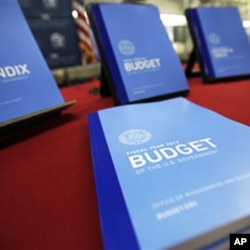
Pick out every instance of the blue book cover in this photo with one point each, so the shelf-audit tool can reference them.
(169, 172)
(26, 83)
(221, 41)
(57, 40)
(140, 58)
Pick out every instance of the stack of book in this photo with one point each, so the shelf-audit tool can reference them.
(220, 41)
(27, 87)
(170, 174)
(138, 59)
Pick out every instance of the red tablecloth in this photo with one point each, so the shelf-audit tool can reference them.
(47, 190)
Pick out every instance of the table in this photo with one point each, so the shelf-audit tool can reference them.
(47, 189)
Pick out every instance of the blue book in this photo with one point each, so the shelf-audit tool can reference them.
(221, 42)
(169, 174)
(57, 40)
(27, 87)
(137, 56)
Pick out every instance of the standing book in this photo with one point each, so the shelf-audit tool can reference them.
(169, 174)
(138, 59)
(27, 87)
(220, 41)
(53, 27)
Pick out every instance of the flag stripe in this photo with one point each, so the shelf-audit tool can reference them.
(84, 34)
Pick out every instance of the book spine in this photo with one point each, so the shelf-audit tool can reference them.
(116, 224)
(200, 43)
(108, 58)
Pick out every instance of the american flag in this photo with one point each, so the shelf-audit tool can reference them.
(85, 37)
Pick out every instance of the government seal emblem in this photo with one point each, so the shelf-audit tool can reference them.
(135, 137)
(126, 47)
(214, 38)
